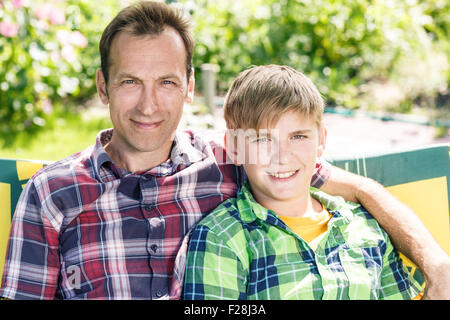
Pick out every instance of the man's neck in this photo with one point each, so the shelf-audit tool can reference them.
(135, 160)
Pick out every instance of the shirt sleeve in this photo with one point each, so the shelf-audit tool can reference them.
(397, 282)
(321, 173)
(213, 269)
(32, 256)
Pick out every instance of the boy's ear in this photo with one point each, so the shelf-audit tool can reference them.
(231, 146)
(322, 141)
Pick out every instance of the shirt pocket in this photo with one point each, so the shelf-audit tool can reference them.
(362, 267)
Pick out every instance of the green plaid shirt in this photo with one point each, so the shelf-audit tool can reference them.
(245, 251)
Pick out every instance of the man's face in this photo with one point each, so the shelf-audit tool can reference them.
(285, 159)
(146, 91)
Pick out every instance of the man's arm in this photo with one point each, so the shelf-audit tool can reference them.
(404, 227)
(32, 259)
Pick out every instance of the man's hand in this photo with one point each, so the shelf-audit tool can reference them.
(438, 282)
(405, 229)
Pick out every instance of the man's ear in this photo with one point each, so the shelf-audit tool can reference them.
(322, 140)
(190, 89)
(101, 87)
(231, 147)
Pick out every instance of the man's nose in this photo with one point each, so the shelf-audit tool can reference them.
(148, 102)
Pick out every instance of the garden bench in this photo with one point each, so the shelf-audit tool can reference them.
(420, 178)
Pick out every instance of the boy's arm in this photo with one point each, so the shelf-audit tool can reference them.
(405, 229)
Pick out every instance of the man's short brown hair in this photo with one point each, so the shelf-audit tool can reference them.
(260, 95)
(147, 18)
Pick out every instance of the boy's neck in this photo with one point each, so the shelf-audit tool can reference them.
(306, 207)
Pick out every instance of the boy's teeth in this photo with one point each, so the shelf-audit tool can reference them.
(282, 175)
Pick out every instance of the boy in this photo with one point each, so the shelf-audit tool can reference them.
(281, 239)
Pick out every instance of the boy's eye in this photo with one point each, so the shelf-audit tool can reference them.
(261, 140)
(299, 137)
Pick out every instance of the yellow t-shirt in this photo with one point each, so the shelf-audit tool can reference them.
(312, 229)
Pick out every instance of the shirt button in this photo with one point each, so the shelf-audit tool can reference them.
(148, 207)
(159, 293)
(154, 247)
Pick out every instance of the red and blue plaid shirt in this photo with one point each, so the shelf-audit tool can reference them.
(86, 229)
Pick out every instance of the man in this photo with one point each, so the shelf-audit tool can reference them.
(107, 222)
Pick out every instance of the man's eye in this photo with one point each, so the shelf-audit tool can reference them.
(128, 81)
(299, 137)
(167, 82)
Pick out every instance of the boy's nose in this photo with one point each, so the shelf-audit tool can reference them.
(282, 154)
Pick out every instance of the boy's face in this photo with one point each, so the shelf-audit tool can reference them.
(283, 161)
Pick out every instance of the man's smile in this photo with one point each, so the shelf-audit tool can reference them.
(146, 125)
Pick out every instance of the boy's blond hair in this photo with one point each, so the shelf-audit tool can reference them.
(261, 94)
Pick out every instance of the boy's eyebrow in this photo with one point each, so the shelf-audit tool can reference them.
(302, 131)
(262, 133)
(268, 133)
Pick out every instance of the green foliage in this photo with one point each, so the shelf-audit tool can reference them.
(63, 135)
(363, 53)
(48, 58)
(439, 26)
(340, 44)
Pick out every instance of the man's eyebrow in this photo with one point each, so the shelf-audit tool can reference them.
(123, 74)
(169, 76)
(126, 75)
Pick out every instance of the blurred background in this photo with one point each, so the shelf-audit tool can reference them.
(382, 66)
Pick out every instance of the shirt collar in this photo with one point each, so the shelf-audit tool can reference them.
(250, 210)
(185, 151)
(99, 157)
(341, 210)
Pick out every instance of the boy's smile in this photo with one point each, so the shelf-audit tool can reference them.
(283, 175)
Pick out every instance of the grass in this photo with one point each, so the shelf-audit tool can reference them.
(61, 138)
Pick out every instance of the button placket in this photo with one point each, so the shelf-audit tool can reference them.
(156, 233)
(156, 230)
(149, 195)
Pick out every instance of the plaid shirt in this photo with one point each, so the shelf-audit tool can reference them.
(86, 229)
(244, 251)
